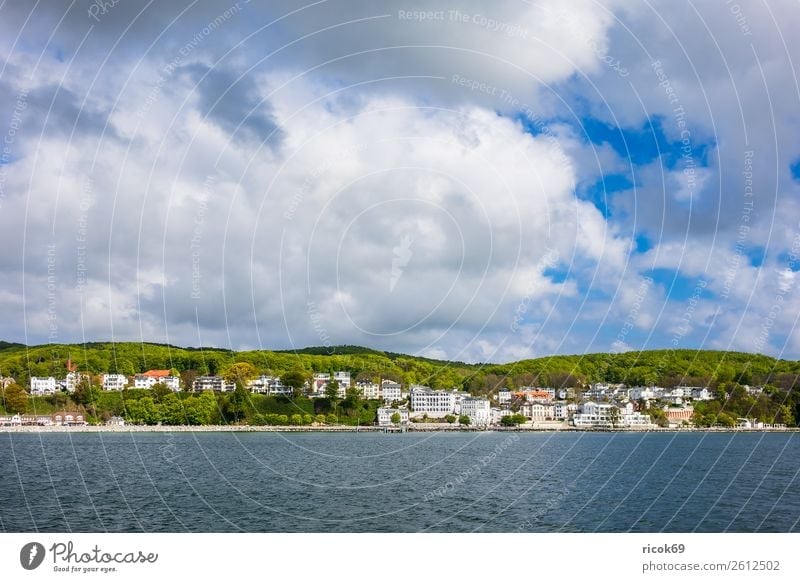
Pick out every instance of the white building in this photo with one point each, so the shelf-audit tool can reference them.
(477, 409)
(149, 379)
(343, 378)
(594, 414)
(41, 386)
(499, 413)
(269, 385)
(114, 382)
(504, 396)
(434, 403)
(369, 390)
(537, 411)
(385, 415)
(701, 394)
(391, 392)
(563, 411)
(215, 383)
(73, 379)
(642, 393)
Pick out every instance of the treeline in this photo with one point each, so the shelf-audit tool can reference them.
(161, 406)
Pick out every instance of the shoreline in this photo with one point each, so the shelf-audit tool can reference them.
(369, 429)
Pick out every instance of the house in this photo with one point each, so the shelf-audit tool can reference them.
(679, 415)
(68, 419)
(504, 396)
(150, 378)
(115, 421)
(391, 392)
(477, 409)
(43, 386)
(25, 420)
(535, 394)
(343, 378)
(269, 385)
(114, 382)
(385, 415)
(701, 393)
(642, 393)
(321, 380)
(215, 383)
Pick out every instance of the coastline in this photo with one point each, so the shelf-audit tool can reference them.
(370, 429)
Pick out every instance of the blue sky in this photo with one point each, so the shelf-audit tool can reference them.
(526, 181)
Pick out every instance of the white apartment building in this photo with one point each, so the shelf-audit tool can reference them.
(593, 414)
(391, 392)
(477, 409)
(269, 385)
(434, 403)
(642, 393)
(562, 410)
(215, 383)
(41, 386)
(701, 394)
(369, 390)
(385, 415)
(504, 396)
(146, 381)
(114, 382)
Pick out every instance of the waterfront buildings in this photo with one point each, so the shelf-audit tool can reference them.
(603, 415)
(385, 414)
(478, 411)
(215, 383)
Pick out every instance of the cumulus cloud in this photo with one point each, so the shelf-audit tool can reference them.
(421, 178)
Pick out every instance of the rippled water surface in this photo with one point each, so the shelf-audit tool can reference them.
(304, 482)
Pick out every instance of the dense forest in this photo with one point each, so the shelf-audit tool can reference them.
(724, 372)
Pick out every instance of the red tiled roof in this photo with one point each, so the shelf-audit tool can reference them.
(157, 373)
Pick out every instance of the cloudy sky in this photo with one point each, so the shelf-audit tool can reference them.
(466, 180)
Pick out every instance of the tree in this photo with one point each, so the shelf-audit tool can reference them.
(296, 380)
(15, 399)
(85, 393)
(332, 390)
(613, 416)
(395, 418)
(240, 374)
(450, 418)
(187, 379)
(160, 391)
(464, 420)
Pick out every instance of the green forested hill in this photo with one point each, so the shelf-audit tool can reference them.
(662, 367)
(723, 372)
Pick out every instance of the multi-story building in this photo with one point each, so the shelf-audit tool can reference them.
(343, 378)
(72, 380)
(153, 377)
(563, 411)
(434, 403)
(504, 396)
(385, 415)
(499, 413)
(391, 392)
(701, 393)
(604, 415)
(477, 409)
(537, 411)
(41, 386)
(215, 383)
(369, 390)
(269, 385)
(114, 382)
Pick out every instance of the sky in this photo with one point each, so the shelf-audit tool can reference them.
(474, 181)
